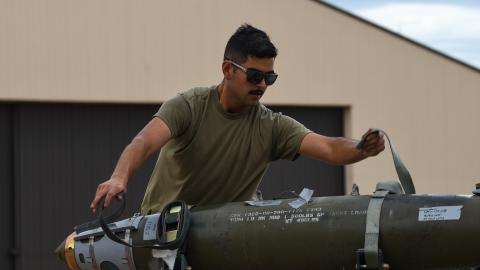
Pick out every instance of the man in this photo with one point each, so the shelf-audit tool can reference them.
(216, 143)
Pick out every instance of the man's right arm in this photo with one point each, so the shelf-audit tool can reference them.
(151, 138)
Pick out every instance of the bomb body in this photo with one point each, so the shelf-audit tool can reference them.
(416, 232)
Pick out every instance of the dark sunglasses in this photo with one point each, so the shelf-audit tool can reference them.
(255, 76)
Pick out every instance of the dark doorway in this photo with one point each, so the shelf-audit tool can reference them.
(6, 188)
(326, 180)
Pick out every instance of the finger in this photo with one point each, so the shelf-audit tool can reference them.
(373, 136)
(370, 136)
(374, 147)
(98, 196)
(381, 148)
(366, 133)
(370, 151)
(380, 144)
(108, 198)
(378, 150)
(369, 145)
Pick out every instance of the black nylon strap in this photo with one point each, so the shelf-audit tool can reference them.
(112, 218)
(402, 172)
(103, 221)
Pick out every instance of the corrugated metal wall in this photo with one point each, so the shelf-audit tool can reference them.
(55, 155)
(58, 153)
(6, 187)
(64, 152)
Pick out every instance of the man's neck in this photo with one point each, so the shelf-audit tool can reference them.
(227, 102)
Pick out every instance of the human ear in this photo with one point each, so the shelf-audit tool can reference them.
(227, 70)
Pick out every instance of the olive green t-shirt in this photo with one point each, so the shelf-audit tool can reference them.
(214, 156)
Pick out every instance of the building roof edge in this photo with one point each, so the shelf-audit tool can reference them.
(412, 41)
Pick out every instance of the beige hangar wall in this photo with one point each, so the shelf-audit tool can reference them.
(146, 51)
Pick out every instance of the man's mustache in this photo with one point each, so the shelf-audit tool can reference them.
(256, 92)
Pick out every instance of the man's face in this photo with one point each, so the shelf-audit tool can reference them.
(244, 92)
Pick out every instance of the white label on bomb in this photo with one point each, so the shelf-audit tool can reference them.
(150, 229)
(440, 213)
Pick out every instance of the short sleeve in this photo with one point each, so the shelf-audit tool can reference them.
(176, 114)
(288, 135)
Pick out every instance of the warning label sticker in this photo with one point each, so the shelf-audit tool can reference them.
(150, 229)
(440, 213)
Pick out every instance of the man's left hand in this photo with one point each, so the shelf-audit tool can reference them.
(372, 143)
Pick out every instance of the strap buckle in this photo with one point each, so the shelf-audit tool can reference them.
(173, 225)
(362, 262)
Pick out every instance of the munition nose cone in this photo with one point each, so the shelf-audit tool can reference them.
(66, 252)
(60, 251)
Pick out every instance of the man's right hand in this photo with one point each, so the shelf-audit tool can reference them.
(108, 189)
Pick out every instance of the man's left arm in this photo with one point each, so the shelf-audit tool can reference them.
(339, 150)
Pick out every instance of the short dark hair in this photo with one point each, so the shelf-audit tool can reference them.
(249, 41)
